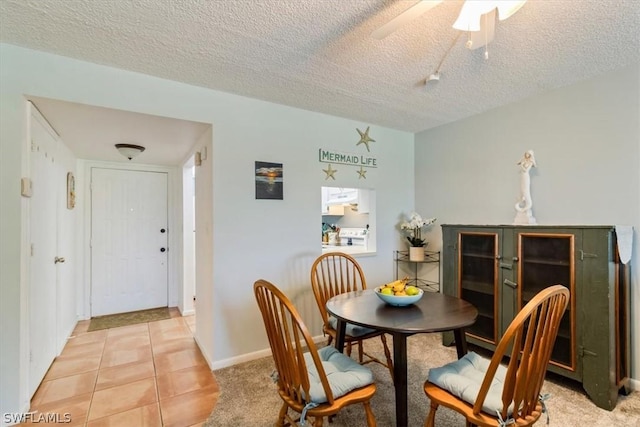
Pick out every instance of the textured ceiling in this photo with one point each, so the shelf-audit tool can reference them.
(318, 54)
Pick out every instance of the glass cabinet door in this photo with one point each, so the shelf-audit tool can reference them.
(546, 260)
(477, 280)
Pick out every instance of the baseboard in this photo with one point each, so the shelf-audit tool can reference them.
(206, 357)
(634, 385)
(225, 363)
(188, 312)
(5, 422)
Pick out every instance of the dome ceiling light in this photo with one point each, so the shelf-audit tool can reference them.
(129, 150)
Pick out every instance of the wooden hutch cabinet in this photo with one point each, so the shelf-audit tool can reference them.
(500, 268)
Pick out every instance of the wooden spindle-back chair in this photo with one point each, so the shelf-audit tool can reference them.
(514, 397)
(296, 355)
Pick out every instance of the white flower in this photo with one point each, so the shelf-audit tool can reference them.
(414, 228)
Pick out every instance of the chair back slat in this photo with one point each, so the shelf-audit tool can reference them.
(289, 339)
(332, 274)
(528, 341)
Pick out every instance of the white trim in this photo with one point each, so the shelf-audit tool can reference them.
(204, 354)
(225, 363)
(174, 218)
(634, 384)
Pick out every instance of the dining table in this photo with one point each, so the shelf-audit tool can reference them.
(434, 312)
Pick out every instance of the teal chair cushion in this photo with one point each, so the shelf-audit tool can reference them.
(463, 378)
(351, 330)
(343, 374)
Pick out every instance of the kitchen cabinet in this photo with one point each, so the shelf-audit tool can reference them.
(500, 268)
(336, 199)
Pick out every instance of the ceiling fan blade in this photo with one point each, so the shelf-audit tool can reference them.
(478, 39)
(408, 15)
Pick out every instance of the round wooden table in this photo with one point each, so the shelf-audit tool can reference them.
(434, 312)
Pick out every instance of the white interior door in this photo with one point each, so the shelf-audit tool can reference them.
(43, 207)
(129, 252)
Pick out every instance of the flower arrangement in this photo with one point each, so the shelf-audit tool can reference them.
(414, 227)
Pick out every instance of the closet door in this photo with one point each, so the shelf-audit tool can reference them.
(43, 226)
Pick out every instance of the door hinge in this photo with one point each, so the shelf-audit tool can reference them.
(30, 356)
(32, 250)
(583, 352)
(584, 255)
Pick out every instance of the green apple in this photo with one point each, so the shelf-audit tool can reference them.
(412, 290)
(386, 291)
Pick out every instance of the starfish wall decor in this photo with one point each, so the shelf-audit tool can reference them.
(364, 138)
(330, 172)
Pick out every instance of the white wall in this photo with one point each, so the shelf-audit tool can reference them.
(586, 140)
(252, 239)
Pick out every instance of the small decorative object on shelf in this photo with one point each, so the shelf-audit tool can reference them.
(413, 228)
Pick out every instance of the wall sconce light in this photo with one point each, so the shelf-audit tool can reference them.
(129, 150)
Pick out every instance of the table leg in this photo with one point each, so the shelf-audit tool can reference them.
(400, 378)
(461, 342)
(341, 331)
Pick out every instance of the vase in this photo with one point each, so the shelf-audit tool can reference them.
(416, 253)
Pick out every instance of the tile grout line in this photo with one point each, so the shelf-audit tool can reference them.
(155, 375)
(95, 385)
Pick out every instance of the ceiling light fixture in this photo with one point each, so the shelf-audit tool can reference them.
(469, 18)
(129, 150)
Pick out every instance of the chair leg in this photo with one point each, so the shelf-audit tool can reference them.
(349, 349)
(387, 354)
(317, 422)
(371, 419)
(431, 417)
(329, 341)
(360, 352)
(281, 415)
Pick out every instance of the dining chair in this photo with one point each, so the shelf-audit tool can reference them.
(488, 393)
(335, 273)
(313, 382)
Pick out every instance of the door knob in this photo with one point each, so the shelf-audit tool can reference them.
(162, 230)
(162, 249)
(58, 259)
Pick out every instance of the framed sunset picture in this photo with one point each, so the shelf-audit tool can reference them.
(269, 182)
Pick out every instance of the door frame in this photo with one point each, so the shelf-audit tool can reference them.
(174, 223)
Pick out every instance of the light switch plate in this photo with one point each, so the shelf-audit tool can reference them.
(25, 187)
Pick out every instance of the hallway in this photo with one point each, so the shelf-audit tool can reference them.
(149, 374)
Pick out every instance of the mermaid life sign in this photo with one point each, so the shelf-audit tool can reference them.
(351, 159)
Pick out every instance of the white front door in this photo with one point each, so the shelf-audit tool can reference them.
(43, 226)
(129, 252)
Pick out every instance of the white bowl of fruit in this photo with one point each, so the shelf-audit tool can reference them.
(398, 293)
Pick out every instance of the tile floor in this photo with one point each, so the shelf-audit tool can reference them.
(150, 374)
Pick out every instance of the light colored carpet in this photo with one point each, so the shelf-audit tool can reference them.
(130, 318)
(248, 396)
